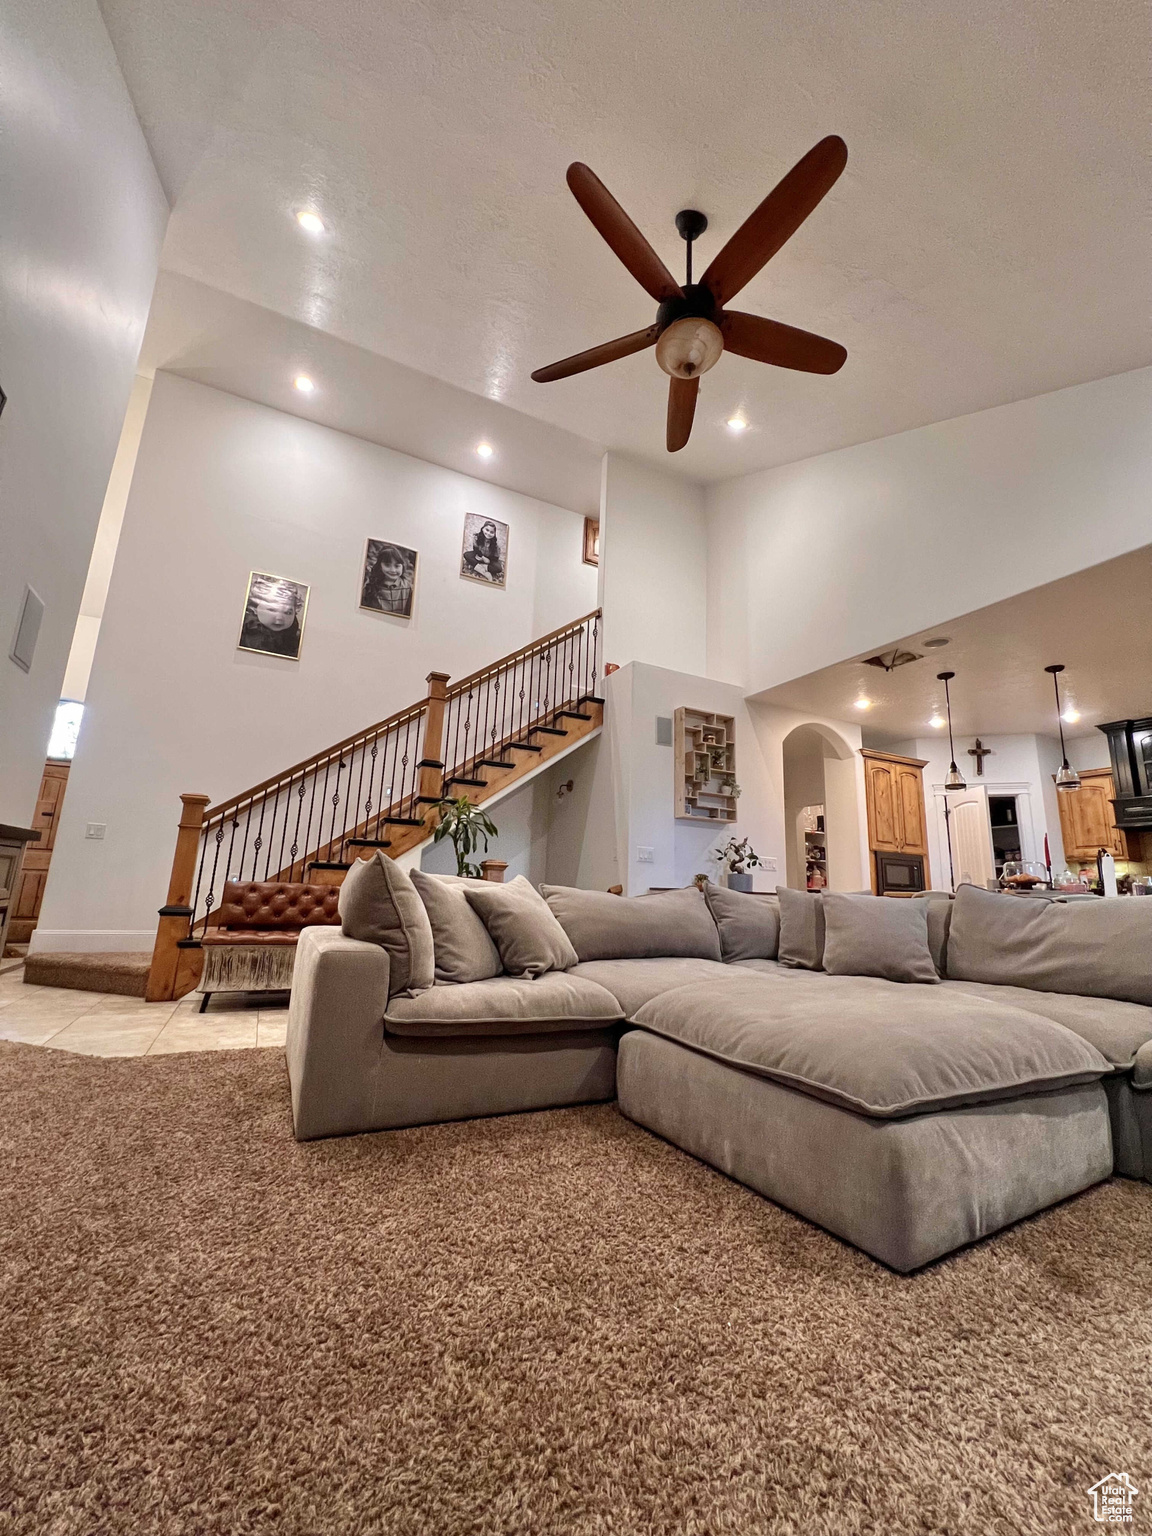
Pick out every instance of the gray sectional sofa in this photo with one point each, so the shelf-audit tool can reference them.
(911, 1075)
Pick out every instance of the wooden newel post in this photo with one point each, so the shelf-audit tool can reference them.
(431, 765)
(174, 970)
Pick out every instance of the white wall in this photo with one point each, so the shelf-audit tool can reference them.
(653, 564)
(1020, 765)
(817, 561)
(1089, 751)
(624, 797)
(223, 486)
(80, 232)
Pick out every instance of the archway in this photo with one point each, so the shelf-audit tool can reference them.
(821, 810)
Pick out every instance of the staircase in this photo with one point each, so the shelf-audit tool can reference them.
(379, 788)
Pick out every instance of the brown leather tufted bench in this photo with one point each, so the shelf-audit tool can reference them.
(251, 946)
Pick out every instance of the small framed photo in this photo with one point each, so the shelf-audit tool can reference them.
(485, 554)
(274, 611)
(591, 541)
(389, 580)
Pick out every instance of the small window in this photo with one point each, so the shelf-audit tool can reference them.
(65, 730)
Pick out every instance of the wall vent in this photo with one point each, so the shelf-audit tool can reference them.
(27, 630)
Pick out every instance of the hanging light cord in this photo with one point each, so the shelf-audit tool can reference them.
(1059, 716)
(948, 706)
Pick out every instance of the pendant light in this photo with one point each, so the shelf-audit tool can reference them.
(1067, 777)
(954, 779)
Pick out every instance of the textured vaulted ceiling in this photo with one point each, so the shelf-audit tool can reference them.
(988, 241)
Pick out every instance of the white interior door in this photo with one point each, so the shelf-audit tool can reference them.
(970, 829)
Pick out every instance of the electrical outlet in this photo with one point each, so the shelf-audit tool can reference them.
(645, 855)
(96, 830)
(770, 865)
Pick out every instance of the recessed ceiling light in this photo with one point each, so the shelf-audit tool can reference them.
(937, 722)
(936, 642)
(310, 221)
(736, 424)
(485, 450)
(862, 704)
(1071, 715)
(303, 383)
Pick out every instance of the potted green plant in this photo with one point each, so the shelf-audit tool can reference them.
(737, 859)
(469, 829)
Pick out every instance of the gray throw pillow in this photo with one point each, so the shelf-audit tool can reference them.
(464, 950)
(1100, 948)
(663, 924)
(748, 922)
(939, 906)
(877, 936)
(529, 938)
(378, 904)
(801, 929)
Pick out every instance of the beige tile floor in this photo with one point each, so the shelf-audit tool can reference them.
(96, 1024)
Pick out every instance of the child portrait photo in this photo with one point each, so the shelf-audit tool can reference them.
(485, 556)
(274, 613)
(389, 580)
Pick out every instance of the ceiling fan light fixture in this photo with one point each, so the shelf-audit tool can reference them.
(689, 347)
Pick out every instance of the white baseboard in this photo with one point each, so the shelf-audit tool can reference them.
(96, 941)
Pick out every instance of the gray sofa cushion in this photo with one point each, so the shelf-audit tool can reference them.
(504, 1005)
(529, 938)
(1142, 1068)
(876, 1047)
(1117, 1030)
(665, 924)
(1096, 948)
(801, 929)
(634, 982)
(748, 922)
(463, 947)
(877, 936)
(378, 904)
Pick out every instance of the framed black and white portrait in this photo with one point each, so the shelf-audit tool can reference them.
(274, 611)
(485, 554)
(388, 583)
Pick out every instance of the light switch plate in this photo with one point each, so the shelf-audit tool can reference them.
(645, 855)
(770, 865)
(96, 830)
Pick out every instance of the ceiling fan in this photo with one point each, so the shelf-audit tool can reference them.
(693, 327)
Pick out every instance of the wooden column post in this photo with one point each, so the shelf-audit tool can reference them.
(431, 765)
(172, 974)
(493, 869)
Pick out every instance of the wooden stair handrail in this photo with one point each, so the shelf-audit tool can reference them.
(400, 717)
(522, 654)
(315, 760)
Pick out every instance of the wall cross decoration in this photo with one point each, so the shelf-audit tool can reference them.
(980, 752)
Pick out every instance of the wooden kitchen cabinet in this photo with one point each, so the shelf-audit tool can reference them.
(894, 794)
(37, 856)
(1087, 819)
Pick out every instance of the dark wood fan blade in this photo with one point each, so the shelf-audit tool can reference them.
(778, 217)
(621, 234)
(606, 352)
(681, 409)
(768, 341)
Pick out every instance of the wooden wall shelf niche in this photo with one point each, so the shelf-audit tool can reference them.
(706, 755)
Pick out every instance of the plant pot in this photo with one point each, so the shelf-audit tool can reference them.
(739, 882)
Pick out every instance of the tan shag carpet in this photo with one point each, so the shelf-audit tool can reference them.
(124, 973)
(551, 1324)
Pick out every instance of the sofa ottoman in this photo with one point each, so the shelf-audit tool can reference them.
(905, 1119)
